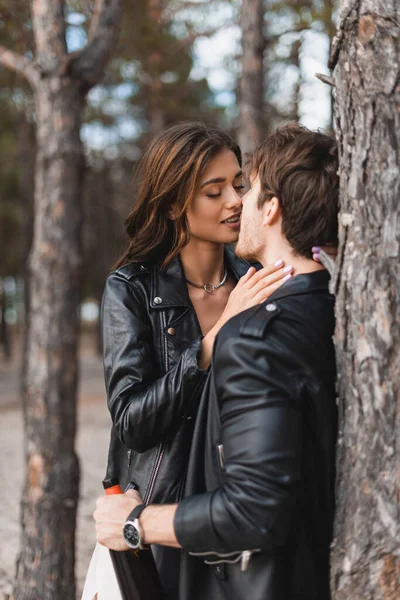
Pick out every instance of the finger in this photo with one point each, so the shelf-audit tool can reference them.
(246, 276)
(268, 291)
(134, 494)
(327, 262)
(100, 502)
(269, 280)
(330, 249)
(316, 257)
(264, 272)
(101, 517)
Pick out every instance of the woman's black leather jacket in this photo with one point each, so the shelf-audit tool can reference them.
(151, 342)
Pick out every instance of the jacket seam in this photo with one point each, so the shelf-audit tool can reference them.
(138, 290)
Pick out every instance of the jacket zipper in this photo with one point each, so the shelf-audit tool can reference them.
(221, 457)
(152, 482)
(244, 557)
(161, 452)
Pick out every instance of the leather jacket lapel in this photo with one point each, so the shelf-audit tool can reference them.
(168, 286)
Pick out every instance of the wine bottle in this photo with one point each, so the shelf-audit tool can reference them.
(135, 570)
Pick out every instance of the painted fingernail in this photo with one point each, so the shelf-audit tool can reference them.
(287, 277)
(288, 269)
(279, 263)
(315, 249)
(317, 257)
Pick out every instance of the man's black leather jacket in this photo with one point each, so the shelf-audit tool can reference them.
(151, 345)
(260, 497)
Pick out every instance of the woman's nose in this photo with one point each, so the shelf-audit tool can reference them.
(234, 199)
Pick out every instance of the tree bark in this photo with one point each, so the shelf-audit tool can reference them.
(251, 84)
(5, 342)
(45, 568)
(366, 550)
(295, 61)
(329, 25)
(50, 495)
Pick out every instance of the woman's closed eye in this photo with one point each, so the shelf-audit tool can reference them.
(237, 188)
(214, 195)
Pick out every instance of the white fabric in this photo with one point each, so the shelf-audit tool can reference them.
(100, 578)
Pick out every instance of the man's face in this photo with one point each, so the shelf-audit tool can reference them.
(251, 241)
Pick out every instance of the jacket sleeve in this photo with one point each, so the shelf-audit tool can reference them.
(261, 437)
(144, 406)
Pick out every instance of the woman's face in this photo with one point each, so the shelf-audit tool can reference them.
(214, 214)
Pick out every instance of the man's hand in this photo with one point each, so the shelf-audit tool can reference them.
(110, 516)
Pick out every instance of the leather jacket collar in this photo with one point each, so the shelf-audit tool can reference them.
(317, 281)
(169, 283)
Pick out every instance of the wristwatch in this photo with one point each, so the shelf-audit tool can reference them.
(133, 534)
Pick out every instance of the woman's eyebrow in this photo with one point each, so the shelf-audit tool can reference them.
(219, 179)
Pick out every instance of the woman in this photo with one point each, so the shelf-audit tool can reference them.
(164, 303)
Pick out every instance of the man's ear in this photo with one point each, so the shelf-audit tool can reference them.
(271, 211)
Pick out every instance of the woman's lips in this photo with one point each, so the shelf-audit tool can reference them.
(232, 222)
(235, 225)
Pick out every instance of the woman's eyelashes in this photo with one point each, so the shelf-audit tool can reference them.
(237, 188)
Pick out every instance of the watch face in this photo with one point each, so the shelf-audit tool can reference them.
(131, 535)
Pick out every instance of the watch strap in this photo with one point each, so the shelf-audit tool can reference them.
(137, 511)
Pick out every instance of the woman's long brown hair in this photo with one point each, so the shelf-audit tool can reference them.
(169, 174)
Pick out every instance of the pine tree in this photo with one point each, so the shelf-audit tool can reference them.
(60, 82)
(366, 54)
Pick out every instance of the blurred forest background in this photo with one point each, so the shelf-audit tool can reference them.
(84, 84)
(174, 60)
(114, 72)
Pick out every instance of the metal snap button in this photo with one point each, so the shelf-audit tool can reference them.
(271, 307)
(157, 300)
(171, 331)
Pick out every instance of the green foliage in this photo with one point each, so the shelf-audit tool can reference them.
(154, 64)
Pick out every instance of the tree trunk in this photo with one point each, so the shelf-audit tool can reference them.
(156, 86)
(51, 490)
(329, 24)
(5, 342)
(366, 551)
(251, 84)
(26, 185)
(60, 81)
(295, 61)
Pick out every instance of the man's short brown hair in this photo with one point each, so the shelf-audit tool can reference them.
(300, 167)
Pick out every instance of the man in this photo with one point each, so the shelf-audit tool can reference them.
(256, 522)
